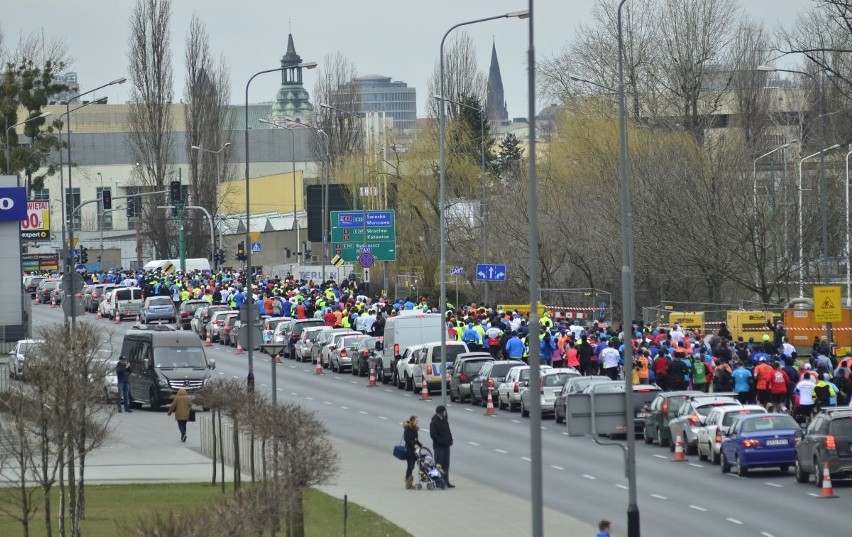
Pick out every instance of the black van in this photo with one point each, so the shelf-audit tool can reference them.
(162, 361)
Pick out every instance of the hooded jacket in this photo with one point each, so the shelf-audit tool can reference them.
(181, 406)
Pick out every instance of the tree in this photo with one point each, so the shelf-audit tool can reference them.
(462, 77)
(335, 87)
(208, 125)
(150, 116)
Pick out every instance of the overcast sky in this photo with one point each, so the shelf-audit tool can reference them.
(396, 38)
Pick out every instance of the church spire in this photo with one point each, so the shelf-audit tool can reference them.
(292, 100)
(496, 103)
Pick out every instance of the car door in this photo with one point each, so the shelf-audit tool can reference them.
(708, 429)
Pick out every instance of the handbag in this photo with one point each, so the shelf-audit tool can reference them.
(399, 451)
(191, 415)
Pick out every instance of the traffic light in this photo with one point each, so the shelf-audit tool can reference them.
(241, 251)
(219, 256)
(175, 193)
(106, 198)
(84, 255)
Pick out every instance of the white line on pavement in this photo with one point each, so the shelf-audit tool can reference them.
(659, 497)
(387, 390)
(543, 428)
(735, 521)
(407, 395)
(566, 434)
(526, 459)
(361, 412)
(694, 465)
(292, 367)
(556, 467)
(735, 476)
(344, 408)
(474, 444)
(309, 398)
(776, 485)
(470, 410)
(235, 377)
(501, 451)
(766, 534)
(280, 389)
(660, 456)
(587, 476)
(516, 421)
(221, 372)
(623, 487)
(814, 494)
(326, 402)
(293, 393)
(336, 378)
(382, 418)
(354, 381)
(697, 508)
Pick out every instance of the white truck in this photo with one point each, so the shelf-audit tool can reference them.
(410, 327)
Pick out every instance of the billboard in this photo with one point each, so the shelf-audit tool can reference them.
(36, 226)
(13, 209)
(40, 262)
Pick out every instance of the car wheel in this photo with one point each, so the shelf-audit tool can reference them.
(524, 412)
(817, 473)
(701, 455)
(742, 471)
(801, 475)
(409, 383)
(714, 456)
(660, 440)
(723, 464)
(647, 437)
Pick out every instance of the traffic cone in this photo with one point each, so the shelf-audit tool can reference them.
(99, 314)
(424, 392)
(38, 298)
(827, 489)
(679, 455)
(239, 348)
(372, 382)
(278, 359)
(117, 316)
(52, 301)
(489, 403)
(207, 342)
(318, 369)
(138, 319)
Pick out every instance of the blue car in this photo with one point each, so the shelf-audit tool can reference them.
(759, 441)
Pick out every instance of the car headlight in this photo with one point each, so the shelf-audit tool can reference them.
(163, 383)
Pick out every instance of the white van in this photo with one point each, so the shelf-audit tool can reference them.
(410, 327)
(123, 302)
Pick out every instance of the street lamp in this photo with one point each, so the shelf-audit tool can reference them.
(218, 180)
(121, 80)
(10, 127)
(801, 231)
(442, 190)
(754, 170)
(484, 219)
(292, 132)
(249, 276)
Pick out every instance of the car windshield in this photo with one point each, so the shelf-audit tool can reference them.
(731, 417)
(192, 306)
(769, 423)
(313, 335)
(27, 347)
(472, 366)
(452, 352)
(500, 370)
(351, 341)
(842, 426)
(552, 381)
(160, 301)
(703, 410)
(179, 357)
(606, 388)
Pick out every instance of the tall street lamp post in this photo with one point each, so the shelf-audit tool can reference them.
(217, 154)
(68, 267)
(484, 207)
(292, 132)
(801, 226)
(754, 167)
(250, 311)
(442, 189)
(6, 136)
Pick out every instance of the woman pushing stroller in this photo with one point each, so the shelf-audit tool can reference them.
(410, 437)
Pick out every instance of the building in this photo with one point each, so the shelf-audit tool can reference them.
(292, 100)
(495, 100)
(73, 88)
(377, 94)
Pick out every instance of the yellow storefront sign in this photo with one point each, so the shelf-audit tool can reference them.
(827, 304)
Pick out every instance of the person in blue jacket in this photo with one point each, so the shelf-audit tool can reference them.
(604, 527)
(546, 346)
(742, 383)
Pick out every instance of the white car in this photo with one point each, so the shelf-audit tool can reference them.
(509, 393)
(302, 348)
(551, 384)
(719, 420)
(217, 321)
(333, 342)
(102, 305)
(17, 357)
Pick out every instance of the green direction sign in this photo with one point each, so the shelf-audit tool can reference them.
(347, 234)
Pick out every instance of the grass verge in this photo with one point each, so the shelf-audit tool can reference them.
(112, 507)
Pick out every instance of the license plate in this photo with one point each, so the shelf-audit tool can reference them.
(777, 442)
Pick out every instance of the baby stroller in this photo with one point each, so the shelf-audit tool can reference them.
(430, 473)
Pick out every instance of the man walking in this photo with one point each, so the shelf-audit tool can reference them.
(442, 439)
(122, 373)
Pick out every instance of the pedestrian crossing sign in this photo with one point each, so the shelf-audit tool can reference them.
(827, 304)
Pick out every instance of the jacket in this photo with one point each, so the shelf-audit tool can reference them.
(410, 438)
(122, 371)
(439, 431)
(181, 406)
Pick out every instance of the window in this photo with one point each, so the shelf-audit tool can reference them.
(40, 195)
(104, 218)
(72, 200)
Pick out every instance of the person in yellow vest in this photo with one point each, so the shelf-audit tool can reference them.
(641, 364)
(344, 319)
(184, 295)
(546, 321)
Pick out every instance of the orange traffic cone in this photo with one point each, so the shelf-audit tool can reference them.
(207, 342)
(318, 369)
(424, 392)
(489, 403)
(117, 316)
(827, 489)
(278, 359)
(99, 314)
(38, 298)
(372, 382)
(138, 319)
(239, 348)
(52, 301)
(679, 455)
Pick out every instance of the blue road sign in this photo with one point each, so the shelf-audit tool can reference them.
(255, 247)
(491, 273)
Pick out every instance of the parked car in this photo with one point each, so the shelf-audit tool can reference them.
(551, 384)
(102, 305)
(466, 366)
(18, 357)
(31, 284)
(322, 340)
(333, 343)
(86, 297)
(718, 422)
(293, 329)
(509, 394)
(340, 358)
(572, 385)
(661, 411)
(367, 355)
(57, 294)
(187, 310)
(227, 330)
(106, 361)
(269, 326)
(97, 295)
(124, 301)
(45, 288)
(826, 441)
(158, 308)
(217, 320)
(692, 415)
(302, 347)
(496, 371)
(759, 441)
(198, 323)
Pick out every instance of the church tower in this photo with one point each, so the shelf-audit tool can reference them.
(496, 103)
(292, 100)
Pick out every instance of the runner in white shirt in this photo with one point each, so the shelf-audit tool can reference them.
(805, 389)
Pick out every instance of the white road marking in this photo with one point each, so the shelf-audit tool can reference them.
(382, 418)
(543, 428)
(814, 494)
(309, 398)
(587, 476)
(735, 476)
(735, 521)
(659, 497)
(470, 410)
(694, 465)
(221, 372)
(344, 408)
(501, 451)
(280, 389)
(407, 395)
(361, 412)
(263, 385)
(660, 456)
(556, 467)
(336, 378)
(292, 367)
(326, 402)
(293, 393)
(516, 421)
(354, 381)
(697, 508)
(776, 485)
(566, 434)
(387, 390)
(766, 534)
(526, 459)
(474, 444)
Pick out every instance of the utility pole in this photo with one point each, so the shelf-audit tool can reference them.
(181, 224)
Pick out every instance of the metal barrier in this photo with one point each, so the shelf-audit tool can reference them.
(205, 424)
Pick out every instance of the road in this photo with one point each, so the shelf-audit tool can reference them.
(581, 479)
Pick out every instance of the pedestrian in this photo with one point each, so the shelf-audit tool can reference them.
(122, 374)
(181, 407)
(604, 527)
(410, 436)
(442, 440)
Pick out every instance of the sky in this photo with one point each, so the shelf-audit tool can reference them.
(396, 38)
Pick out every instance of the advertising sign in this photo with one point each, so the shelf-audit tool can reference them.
(13, 204)
(13, 209)
(40, 262)
(36, 226)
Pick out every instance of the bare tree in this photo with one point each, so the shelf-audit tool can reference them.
(208, 125)
(335, 87)
(150, 117)
(748, 51)
(462, 77)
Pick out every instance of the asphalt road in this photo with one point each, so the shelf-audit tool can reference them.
(582, 479)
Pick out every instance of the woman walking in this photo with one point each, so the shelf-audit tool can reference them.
(411, 440)
(181, 407)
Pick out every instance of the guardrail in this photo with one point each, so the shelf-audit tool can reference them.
(205, 425)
